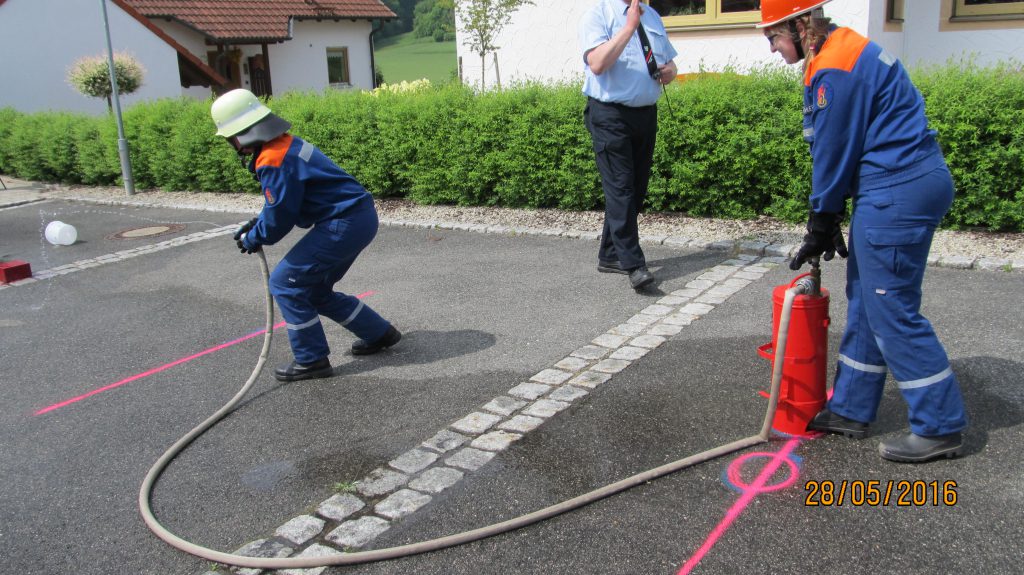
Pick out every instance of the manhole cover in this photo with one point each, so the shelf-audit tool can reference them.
(146, 232)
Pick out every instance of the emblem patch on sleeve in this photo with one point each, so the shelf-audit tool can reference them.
(269, 195)
(824, 95)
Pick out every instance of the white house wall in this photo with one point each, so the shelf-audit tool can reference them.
(40, 40)
(306, 55)
(540, 43)
(192, 41)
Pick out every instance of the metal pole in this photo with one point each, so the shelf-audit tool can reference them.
(122, 143)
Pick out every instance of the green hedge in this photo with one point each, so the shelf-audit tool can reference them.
(728, 146)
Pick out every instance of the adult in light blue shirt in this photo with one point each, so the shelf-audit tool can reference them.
(622, 88)
(624, 78)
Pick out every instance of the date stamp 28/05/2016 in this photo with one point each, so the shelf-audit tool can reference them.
(879, 493)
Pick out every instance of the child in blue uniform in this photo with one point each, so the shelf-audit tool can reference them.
(302, 187)
(869, 141)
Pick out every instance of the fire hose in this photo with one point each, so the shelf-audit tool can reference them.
(806, 285)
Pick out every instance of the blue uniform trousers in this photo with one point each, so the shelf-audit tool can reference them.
(623, 140)
(891, 233)
(303, 285)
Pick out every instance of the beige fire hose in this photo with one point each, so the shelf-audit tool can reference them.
(145, 492)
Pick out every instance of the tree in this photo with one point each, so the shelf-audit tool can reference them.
(90, 75)
(482, 21)
(434, 19)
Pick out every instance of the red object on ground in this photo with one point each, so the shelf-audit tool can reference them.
(804, 365)
(13, 271)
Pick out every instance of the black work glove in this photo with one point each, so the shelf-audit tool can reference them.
(824, 238)
(240, 235)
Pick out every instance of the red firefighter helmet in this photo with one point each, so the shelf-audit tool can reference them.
(776, 11)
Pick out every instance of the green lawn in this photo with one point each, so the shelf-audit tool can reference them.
(403, 57)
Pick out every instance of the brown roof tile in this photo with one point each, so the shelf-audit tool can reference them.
(256, 19)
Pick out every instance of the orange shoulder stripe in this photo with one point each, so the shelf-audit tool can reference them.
(844, 47)
(272, 155)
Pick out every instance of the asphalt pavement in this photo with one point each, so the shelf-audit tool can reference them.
(108, 364)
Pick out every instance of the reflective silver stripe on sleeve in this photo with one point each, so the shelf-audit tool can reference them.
(313, 321)
(306, 152)
(358, 309)
(808, 132)
(861, 366)
(887, 58)
(924, 382)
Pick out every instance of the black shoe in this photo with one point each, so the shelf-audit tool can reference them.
(835, 423)
(913, 448)
(296, 371)
(611, 268)
(390, 338)
(640, 277)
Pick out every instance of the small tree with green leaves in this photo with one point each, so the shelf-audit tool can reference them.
(482, 21)
(90, 75)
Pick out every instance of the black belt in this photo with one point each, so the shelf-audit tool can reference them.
(621, 106)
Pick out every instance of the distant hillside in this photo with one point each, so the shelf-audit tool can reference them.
(403, 57)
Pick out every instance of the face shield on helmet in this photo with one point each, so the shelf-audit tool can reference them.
(240, 114)
(778, 11)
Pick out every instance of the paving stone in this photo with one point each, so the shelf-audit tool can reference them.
(470, 459)
(648, 341)
(680, 319)
(643, 319)
(591, 352)
(261, 548)
(992, 264)
(677, 241)
(933, 259)
(340, 506)
(696, 308)
(610, 366)
(529, 391)
(609, 340)
(773, 262)
(699, 285)
(590, 379)
(544, 408)
(957, 262)
(664, 329)
(437, 479)
(314, 550)
(300, 529)
(567, 393)
(629, 353)
(672, 300)
(401, 504)
(780, 250)
(381, 481)
(738, 283)
(748, 275)
(653, 240)
(502, 406)
(447, 440)
(753, 247)
(629, 329)
(657, 310)
(551, 376)
(476, 423)
(359, 532)
(757, 269)
(495, 440)
(413, 460)
(710, 299)
(722, 246)
(724, 290)
(521, 423)
(572, 364)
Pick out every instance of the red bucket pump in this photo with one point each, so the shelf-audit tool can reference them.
(802, 391)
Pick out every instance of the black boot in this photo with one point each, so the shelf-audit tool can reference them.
(834, 423)
(296, 371)
(390, 338)
(913, 448)
(640, 277)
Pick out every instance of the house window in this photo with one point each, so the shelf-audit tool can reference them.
(895, 11)
(982, 9)
(685, 13)
(337, 68)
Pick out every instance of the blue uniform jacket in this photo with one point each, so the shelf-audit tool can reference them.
(301, 187)
(864, 121)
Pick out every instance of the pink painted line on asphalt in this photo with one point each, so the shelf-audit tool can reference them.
(757, 486)
(167, 366)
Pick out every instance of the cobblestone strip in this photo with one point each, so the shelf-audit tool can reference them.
(123, 255)
(347, 521)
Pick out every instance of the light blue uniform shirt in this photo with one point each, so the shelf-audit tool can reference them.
(627, 81)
